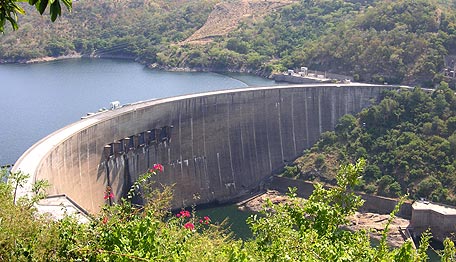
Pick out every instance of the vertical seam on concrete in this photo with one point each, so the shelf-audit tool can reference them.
(307, 118)
(148, 156)
(58, 170)
(279, 111)
(333, 109)
(254, 137)
(360, 105)
(154, 157)
(240, 128)
(219, 170)
(108, 181)
(229, 140)
(136, 161)
(346, 100)
(267, 134)
(71, 162)
(180, 145)
(79, 159)
(319, 111)
(88, 169)
(293, 125)
(195, 170)
(191, 134)
(269, 151)
(203, 108)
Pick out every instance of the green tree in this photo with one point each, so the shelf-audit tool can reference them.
(345, 126)
(237, 45)
(10, 9)
(427, 186)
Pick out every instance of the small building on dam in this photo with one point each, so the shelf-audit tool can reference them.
(218, 145)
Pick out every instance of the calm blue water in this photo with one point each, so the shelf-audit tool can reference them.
(38, 99)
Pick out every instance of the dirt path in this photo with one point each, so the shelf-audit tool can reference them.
(226, 17)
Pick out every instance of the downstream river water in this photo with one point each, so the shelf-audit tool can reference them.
(37, 99)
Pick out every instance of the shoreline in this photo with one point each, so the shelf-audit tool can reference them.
(52, 58)
(76, 55)
(138, 60)
(43, 59)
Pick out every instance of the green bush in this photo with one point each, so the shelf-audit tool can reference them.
(290, 171)
(394, 190)
(427, 186)
(370, 188)
(320, 161)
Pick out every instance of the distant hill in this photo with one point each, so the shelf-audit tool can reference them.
(401, 41)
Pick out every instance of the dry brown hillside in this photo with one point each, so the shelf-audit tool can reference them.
(226, 16)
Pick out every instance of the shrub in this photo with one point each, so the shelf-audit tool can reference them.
(427, 186)
(320, 161)
(290, 171)
(394, 190)
(370, 188)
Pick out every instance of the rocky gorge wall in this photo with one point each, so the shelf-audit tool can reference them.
(217, 145)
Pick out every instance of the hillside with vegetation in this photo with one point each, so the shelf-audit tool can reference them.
(134, 29)
(408, 140)
(375, 41)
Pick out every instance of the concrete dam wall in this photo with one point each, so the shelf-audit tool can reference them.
(218, 145)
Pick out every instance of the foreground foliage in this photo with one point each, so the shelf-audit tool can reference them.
(11, 9)
(300, 230)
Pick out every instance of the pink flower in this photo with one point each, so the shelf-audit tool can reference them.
(189, 225)
(184, 213)
(158, 167)
(201, 221)
(109, 195)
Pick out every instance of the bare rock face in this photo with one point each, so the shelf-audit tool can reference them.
(227, 15)
(256, 204)
(373, 223)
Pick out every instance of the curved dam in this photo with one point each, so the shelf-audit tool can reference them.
(217, 145)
